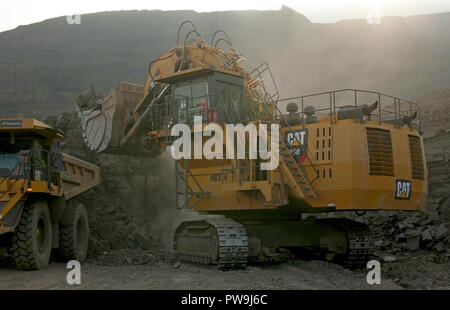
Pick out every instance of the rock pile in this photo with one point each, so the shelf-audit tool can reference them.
(430, 228)
(404, 232)
(121, 208)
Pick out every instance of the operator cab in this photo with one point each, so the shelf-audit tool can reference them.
(28, 148)
(215, 95)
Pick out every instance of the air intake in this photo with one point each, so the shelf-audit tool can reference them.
(415, 149)
(379, 144)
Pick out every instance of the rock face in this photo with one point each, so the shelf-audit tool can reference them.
(435, 108)
(438, 160)
(51, 62)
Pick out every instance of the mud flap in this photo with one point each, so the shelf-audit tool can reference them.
(13, 217)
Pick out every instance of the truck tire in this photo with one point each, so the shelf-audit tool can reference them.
(32, 241)
(74, 234)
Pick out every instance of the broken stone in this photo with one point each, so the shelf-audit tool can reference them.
(441, 232)
(389, 259)
(400, 238)
(426, 221)
(426, 236)
(109, 260)
(110, 209)
(405, 225)
(412, 242)
(141, 240)
(105, 230)
(387, 244)
(412, 233)
(444, 210)
(413, 220)
(440, 247)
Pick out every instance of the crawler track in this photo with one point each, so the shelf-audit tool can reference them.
(220, 241)
(360, 243)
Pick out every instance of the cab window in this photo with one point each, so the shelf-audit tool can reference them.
(192, 100)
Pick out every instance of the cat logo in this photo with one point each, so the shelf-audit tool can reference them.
(403, 190)
(298, 143)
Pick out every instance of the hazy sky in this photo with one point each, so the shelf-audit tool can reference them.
(21, 12)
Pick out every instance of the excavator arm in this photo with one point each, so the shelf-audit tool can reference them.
(117, 123)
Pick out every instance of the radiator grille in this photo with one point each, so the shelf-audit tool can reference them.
(415, 149)
(379, 143)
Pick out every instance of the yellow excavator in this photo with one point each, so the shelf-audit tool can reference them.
(341, 150)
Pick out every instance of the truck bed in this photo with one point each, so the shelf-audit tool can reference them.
(78, 175)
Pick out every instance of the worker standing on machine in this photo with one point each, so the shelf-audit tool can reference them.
(310, 114)
(293, 118)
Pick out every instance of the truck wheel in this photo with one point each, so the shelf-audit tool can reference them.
(32, 241)
(74, 233)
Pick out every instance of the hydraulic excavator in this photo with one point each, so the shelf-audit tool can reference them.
(341, 150)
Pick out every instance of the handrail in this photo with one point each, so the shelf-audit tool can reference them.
(259, 72)
(344, 90)
(19, 164)
(398, 103)
(285, 142)
(28, 165)
(10, 172)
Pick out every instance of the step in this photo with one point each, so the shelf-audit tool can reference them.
(306, 188)
(291, 166)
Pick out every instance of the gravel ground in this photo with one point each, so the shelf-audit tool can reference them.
(420, 270)
(296, 274)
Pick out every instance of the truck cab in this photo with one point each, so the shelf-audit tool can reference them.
(29, 154)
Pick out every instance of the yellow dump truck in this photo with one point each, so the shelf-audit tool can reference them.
(37, 184)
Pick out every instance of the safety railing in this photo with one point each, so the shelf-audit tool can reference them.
(375, 106)
(275, 115)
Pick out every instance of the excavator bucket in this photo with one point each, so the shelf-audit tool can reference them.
(105, 121)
